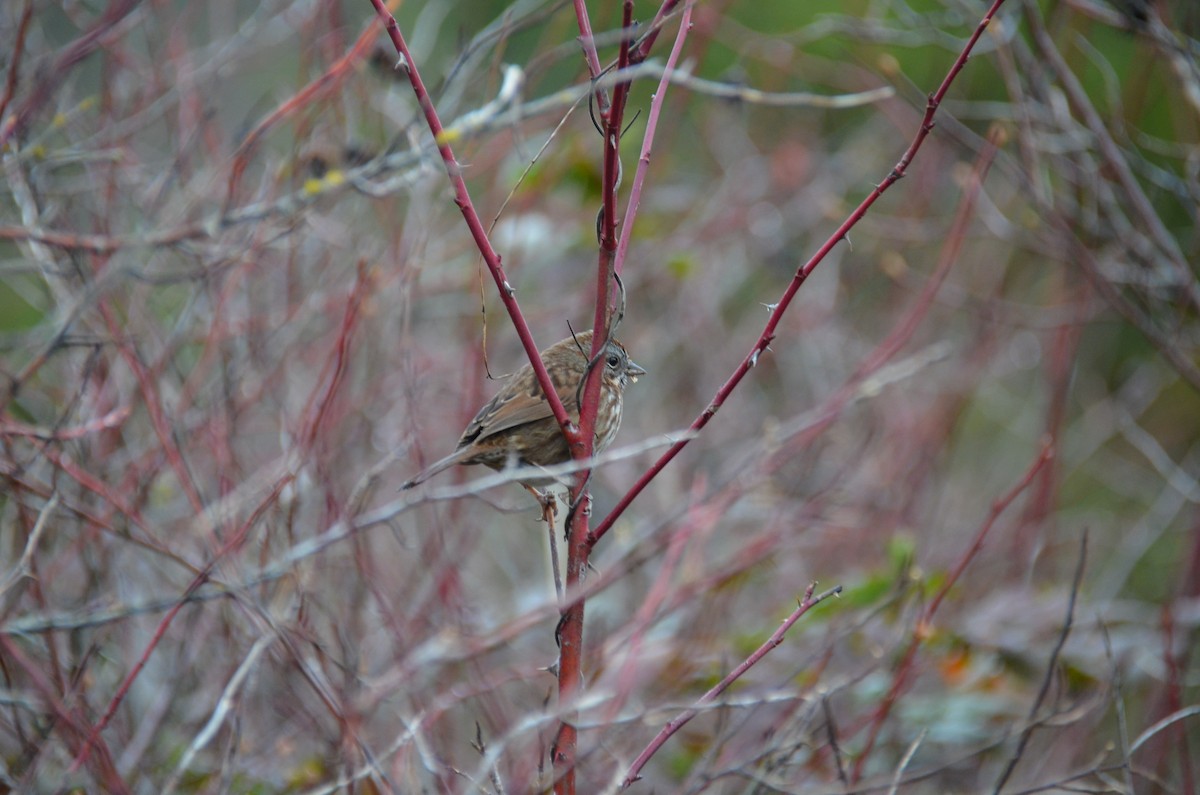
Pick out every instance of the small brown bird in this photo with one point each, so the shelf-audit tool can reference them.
(517, 427)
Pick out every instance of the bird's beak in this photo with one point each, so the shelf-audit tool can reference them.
(633, 370)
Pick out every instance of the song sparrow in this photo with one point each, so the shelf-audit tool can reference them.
(516, 427)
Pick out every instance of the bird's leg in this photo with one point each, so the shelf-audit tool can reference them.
(548, 502)
(549, 512)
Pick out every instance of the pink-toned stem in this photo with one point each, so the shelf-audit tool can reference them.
(948, 255)
(642, 51)
(72, 721)
(113, 419)
(923, 626)
(656, 105)
(801, 275)
(708, 698)
(702, 517)
(578, 549)
(235, 542)
(570, 633)
(332, 375)
(98, 36)
(314, 417)
(588, 42)
(154, 408)
(463, 199)
(18, 52)
(328, 82)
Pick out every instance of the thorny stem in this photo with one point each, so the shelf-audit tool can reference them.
(570, 633)
(807, 603)
(801, 275)
(923, 627)
(462, 198)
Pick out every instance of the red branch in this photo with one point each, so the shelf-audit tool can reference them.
(923, 628)
(18, 50)
(570, 634)
(235, 542)
(768, 333)
(656, 105)
(588, 42)
(335, 368)
(682, 718)
(570, 630)
(463, 199)
(53, 77)
(154, 408)
(319, 88)
(315, 414)
(72, 721)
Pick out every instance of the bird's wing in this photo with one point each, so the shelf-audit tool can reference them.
(506, 411)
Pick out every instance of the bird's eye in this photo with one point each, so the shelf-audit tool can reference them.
(613, 360)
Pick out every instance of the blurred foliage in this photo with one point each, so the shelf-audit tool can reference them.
(16, 313)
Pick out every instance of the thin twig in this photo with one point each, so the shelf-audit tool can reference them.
(1051, 668)
(904, 760)
(807, 603)
(221, 712)
(781, 306)
(921, 629)
(508, 295)
(23, 567)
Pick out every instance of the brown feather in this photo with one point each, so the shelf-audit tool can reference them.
(517, 425)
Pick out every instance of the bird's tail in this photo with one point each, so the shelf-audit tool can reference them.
(454, 458)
